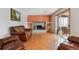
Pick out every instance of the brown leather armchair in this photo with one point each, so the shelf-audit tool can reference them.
(73, 44)
(20, 31)
(23, 33)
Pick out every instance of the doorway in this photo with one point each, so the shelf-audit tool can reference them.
(63, 21)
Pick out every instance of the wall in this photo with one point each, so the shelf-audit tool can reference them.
(54, 24)
(5, 22)
(74, 22)
(39, 18)
(24, 17)
(24, 20)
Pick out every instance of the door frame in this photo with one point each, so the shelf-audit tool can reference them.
(59, 16)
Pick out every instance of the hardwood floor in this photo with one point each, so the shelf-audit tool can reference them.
(41, 41)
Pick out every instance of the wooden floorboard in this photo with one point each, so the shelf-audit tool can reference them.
(41, 41)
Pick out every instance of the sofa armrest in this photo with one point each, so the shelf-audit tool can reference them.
(16, 33)
(12, 43)
(67, 47)
(74, 39)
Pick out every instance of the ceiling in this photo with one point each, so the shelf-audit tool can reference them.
(37, 11)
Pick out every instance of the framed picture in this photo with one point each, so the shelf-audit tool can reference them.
(15, 15)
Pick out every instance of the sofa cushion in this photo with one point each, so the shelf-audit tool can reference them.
(0, 44)
(19, 29)
(9, 46)
(67, 47)
(8, 39)
(74, 39)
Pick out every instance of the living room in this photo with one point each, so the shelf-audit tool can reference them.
(41, 24)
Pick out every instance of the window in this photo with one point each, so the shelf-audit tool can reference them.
(63, 21)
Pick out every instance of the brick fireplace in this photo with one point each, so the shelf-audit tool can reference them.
(39, 23)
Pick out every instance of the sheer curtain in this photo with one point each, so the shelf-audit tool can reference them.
(63, 22)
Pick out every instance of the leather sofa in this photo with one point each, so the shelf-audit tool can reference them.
(72, 44)
(11, 43)
(23, 33)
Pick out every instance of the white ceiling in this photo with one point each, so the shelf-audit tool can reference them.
(37, 11)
